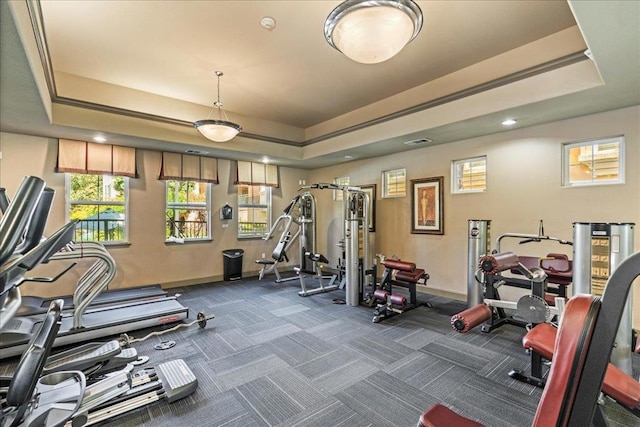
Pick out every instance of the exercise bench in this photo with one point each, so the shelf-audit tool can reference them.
(397, 273)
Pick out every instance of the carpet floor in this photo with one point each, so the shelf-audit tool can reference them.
(273, 358)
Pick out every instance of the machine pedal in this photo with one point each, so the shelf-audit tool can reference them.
(177, 379)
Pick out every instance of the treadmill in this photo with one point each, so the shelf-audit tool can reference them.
(85, 322)
(34, 231)
(38, 305)
(98, 323)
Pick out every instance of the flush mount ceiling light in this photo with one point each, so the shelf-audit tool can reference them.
(220, 130)
(372, 31)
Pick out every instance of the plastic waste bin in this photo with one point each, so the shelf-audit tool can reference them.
(232, 264)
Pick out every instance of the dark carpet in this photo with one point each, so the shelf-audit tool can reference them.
(273, 358)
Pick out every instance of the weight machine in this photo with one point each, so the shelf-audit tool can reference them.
(294, 222)
(354, 264)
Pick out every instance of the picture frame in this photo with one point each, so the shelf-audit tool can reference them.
(427, 205)
(370, 189)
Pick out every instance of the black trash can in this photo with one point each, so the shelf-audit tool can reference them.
(232, 264)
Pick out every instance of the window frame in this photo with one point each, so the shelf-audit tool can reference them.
(566, 162)
(385, 194)
(268, 205)
(187, 205)
(341, 181)
(455, 177)
(125, 204)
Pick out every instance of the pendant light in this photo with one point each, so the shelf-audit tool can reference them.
(220, 130)
(372, 31)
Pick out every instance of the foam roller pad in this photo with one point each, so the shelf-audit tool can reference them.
(381, 295)
(468, 319)
(398, 299)
(493, 264)
(396, 264)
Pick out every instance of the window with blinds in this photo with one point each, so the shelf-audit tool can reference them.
(469, 175)
(394, 183)
(593, 162)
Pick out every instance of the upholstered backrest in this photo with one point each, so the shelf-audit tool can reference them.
(571, 347)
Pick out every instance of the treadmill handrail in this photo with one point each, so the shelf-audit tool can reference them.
(94, 281)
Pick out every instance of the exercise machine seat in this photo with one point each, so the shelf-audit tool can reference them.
(410, 276)
(440, 415)
(558, 398)
(559, 268)
(617, 384)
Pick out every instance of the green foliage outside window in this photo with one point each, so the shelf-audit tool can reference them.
(98, 202)
(187, 210)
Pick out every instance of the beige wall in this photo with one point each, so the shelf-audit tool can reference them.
(523, 187)
(524, 173)
(148, 259)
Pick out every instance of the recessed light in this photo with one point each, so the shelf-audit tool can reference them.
(99, 138)
(348, 157)
(509, 122)
(268, 23)
(265, 160)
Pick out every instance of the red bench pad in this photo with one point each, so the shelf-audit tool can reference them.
(410, 276)
(396, 264)
(440, 415)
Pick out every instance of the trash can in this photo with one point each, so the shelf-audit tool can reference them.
(232, 264)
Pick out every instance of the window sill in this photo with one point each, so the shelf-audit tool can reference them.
(187, 241)
(112, 244)
(250, 237)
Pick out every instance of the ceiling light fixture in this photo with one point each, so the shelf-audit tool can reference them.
(218, 130)
(268, 23)
(99, 138)
(509, 122)
(372, 31)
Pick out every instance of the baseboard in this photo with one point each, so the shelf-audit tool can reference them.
(441, 293)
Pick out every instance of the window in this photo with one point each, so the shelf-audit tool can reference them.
(99, 202)
(188, 210)
(340, 182)
(469, 175)
(593, 162)
(254, 210)
(394, 183)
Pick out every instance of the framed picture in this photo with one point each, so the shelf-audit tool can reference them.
(371, 191)
(427, 214)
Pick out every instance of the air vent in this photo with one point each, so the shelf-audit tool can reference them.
(418, 141)
(196, 152)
